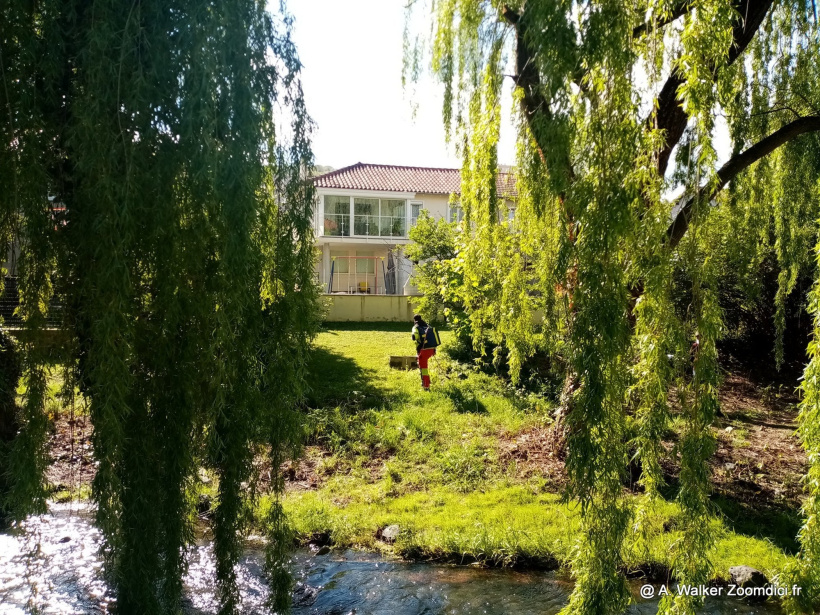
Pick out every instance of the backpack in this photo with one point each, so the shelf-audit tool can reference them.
(431, 338)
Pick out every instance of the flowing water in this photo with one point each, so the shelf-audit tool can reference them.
(53, 567)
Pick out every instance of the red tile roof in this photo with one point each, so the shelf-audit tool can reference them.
(363, 176)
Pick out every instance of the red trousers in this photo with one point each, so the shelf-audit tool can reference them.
(423, 357)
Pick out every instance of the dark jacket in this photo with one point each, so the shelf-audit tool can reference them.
(418, 334)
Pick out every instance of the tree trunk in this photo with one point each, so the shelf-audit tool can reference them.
(558, 433)
(9, 378)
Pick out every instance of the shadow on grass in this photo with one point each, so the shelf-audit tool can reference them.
(337, 380)
(776, 523)
(464, 400)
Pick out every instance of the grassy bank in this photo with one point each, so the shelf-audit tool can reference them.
(466, 471)
(503, 524)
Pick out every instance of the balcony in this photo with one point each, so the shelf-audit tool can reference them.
(370, 217)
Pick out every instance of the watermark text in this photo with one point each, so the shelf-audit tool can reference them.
(736, 591)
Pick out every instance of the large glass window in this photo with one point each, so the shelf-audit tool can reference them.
(393, 217)
(370, 217)
(337, 216)
(510, 213)
(366, 216)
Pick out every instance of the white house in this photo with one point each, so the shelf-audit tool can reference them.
(363, 217)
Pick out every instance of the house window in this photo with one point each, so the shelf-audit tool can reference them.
(370, 217)
(393, 218)
(415, 210)
(456, 213)
(365, 265)
(341, 265)
(366, 216)
(337, 216)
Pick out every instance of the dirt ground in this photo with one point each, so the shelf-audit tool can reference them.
(72, 463)
(534, 453)
(303, 475)
(758, 456)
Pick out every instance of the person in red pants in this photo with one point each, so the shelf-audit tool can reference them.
(426, 341)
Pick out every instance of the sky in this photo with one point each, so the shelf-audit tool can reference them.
(351, 51)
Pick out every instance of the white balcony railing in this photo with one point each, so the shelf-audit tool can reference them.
(337, 225)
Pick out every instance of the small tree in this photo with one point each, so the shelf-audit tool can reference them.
(434, 253)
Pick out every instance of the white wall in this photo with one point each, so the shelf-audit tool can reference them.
(436, 204)
(369, 308)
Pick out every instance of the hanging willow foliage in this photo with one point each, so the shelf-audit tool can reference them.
(616, 111)
(805, 571)
(152, 165)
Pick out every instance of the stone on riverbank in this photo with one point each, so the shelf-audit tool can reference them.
(746, 576)
(389, 534)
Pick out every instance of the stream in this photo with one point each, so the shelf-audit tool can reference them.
(52, 567)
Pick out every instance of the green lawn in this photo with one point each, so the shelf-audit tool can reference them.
(385, 452)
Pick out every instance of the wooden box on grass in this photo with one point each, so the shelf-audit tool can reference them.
(403, 362)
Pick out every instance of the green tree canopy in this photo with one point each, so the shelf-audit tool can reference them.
(152, 165)
(616, 107)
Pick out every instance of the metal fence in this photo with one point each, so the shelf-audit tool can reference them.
(10, 301)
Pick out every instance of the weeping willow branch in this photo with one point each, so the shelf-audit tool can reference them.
(804, 571)
(674, 14)
(591, 174)
(670, 116)
(735, 165)
(548, 134)
(183, 257)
